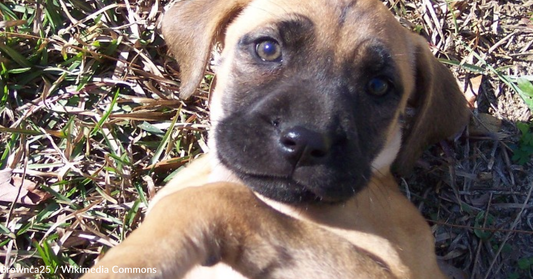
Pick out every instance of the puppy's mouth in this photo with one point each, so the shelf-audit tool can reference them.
(293, 188)
(286, 189)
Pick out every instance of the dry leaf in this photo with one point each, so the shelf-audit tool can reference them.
(485, 124)
(472, 90)
(11, 186)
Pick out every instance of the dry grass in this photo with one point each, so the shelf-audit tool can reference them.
(90, 124)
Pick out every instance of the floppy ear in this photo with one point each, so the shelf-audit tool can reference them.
(440, 107)
(190, 28)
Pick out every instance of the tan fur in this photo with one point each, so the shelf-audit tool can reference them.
(377, 233)
(440, 107)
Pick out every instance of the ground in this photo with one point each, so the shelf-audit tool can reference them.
(90, 126)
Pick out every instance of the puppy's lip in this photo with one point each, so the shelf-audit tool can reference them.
(321, 195)
(241, 172)
(283, 181)
(270, 177)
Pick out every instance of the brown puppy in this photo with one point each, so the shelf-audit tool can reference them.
(309, 113)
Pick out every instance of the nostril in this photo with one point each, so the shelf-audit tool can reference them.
(293, 143)
(288, 142)
(301, 145)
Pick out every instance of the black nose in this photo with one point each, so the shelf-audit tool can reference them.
(303, 146)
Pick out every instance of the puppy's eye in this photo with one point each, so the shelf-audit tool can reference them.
(268, 51)
(379, 86)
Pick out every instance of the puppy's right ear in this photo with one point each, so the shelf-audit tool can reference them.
(190, 28)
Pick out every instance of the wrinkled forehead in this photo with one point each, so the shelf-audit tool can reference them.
(336, 23)
(343, 28)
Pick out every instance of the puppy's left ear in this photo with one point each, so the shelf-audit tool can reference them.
(440, 107)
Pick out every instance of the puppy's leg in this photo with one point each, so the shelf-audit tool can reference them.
(226, 223)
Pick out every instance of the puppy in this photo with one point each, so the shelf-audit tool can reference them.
(309, 113)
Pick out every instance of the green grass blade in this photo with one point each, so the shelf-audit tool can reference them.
(525, 89)
(107, 113)
(15, 55)
(165, 139)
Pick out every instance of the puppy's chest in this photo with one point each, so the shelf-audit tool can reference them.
(218, 271)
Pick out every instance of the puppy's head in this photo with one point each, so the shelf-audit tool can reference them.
(310, 95)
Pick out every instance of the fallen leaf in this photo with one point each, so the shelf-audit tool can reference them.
(472, 90)
(26, 189)
(484, 124)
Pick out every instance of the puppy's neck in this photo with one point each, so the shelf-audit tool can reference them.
(220, 173)
(376, 194)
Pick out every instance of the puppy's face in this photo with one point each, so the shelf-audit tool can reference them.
(309, 96)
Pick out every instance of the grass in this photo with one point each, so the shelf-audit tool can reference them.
(88, 115)
(90, 126)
